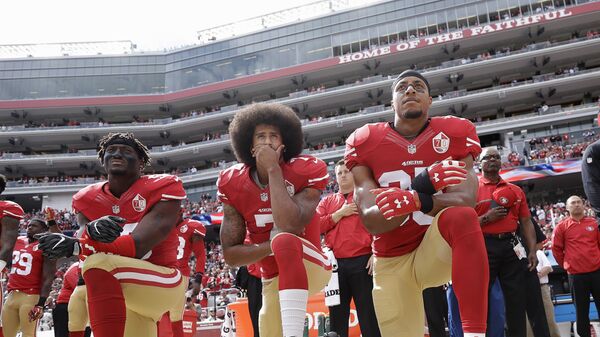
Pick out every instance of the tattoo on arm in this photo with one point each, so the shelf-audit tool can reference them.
(233, 228)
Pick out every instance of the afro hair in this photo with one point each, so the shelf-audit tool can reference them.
(241, 130)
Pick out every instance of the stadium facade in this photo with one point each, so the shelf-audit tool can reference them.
(520, 69)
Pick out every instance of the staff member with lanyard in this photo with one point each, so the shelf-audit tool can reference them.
(501, 206)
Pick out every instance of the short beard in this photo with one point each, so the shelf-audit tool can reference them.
(119, 172)
(413, 114)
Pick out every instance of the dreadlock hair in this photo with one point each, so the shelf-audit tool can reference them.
(126, 138)
(40, 220)
(241, 130)
(2, 183)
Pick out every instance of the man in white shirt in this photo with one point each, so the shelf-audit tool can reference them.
(541, 215)
(543, 269)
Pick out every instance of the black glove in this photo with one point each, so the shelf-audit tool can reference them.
(56, 245)
(105, 229)
(198, 277)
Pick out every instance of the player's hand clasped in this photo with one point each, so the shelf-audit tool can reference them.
(56, 245)
(439, 176)
(394, 201)
(105, 229)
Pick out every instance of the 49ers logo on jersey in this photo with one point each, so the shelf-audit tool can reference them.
(441, 143)
(139, 203)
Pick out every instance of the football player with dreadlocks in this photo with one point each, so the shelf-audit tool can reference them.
(130, 242)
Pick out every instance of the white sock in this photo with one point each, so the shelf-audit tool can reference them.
(474, 334)
(293, 311)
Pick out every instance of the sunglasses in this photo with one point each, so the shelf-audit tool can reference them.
(491, 156)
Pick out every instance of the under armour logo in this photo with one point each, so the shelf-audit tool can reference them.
(399, 203)
(435, 177)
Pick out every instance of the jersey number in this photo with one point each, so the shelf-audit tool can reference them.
(262, 220)
(21, 263)
(180, 248)
(400, 178)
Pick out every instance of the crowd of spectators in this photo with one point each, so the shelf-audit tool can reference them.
(551, 149)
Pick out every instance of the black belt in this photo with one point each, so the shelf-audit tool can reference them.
(500, 236)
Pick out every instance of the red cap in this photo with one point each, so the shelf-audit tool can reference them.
(505, 196)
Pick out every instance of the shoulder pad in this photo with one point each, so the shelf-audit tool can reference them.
(230, 173)
(198, 227)
(88, 191)
(170, 186)
(453, 126)
(11, 209)
(303, 161)
(160, 180)
(361, 134)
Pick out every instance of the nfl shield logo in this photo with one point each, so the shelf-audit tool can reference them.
(139, 203)
(441, 143)
(116, 209)
(412, 149)
(290, 188)
(183, 229)
(264, 196)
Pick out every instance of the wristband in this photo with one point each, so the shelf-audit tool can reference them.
(2, 264)
(41, 302)
(422, 184)
(426, 202)
(123, 246)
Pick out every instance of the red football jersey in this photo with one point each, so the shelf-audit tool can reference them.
(26, 271)
(395, 161)
(185, 230)
(11, 209)
(238, 189)
(69, 283)
(96, 201)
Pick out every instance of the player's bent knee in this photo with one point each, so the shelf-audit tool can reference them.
(98, 261)
(284, 242)
(455, 222)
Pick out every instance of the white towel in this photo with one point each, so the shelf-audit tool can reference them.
(332, 290)
(228, 327)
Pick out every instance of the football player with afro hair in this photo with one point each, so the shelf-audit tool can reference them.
(271, 197)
